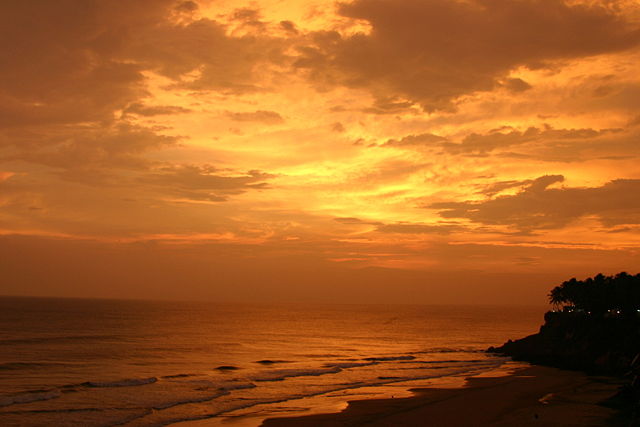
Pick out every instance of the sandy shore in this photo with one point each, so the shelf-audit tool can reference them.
(530, 396)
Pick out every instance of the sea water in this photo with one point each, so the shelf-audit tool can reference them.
(75, 362)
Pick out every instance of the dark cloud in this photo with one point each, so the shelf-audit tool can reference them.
(71, 65)
(222, 62)
(74, 61)
(635, 229)
(349, 220)
(261, 116)
(532, 184)
(62, 59)
(187, 6)
(141, 109)
(605, 93)
(539, 207)
(423, 139)
(246, 13)
(355, 221)
(414, 228)
(85, 153)
(205, 182)
(432, 52)
(389, 105)
(404, 227)
(497, 187)
(499, 139)
(289, 27)
(515, 85)
(338, 127)
(546, 143)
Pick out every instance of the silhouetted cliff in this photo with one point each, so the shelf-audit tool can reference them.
(604, 344)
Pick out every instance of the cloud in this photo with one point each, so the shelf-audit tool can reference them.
(404, 227)
(424, 139)
(80, 61)
(497, 187)
(415, 228)
(538, 207)
(89, 152)
(205, 182)
(224, 63)
(355, 221)
(141, 109)
(350, 220)
(499, 139)
(337, 127)
(389, 105)
(260, 116)
(187, 6)
(545, 143)
(289, 27)
(515, 85)
(433, 52)
(73, 65)
(63, 61)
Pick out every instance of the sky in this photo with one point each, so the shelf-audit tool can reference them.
(374, 151)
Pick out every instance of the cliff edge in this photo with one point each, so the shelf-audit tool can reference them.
(596, 344)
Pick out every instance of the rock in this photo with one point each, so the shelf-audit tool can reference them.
(579, 341)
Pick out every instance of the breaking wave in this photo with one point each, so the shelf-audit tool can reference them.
(29, 396)
(130, 382)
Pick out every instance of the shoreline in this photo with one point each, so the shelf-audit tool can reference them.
(529, 395)
(333, 402)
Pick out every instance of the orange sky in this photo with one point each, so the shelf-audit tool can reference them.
(429, 151)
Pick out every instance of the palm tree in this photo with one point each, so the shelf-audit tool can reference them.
(600, 294)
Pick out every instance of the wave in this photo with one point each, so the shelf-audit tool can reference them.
(60, 411)
(382, 380)
(348, 386)
(444, 364)
(222, 391)
(232, 387)
(130, 382)
(200, 399)
(178, 376)
(436, 362)
(29, 396)
(449, 350)
(14, 366)
(281, 374)
(321, 356)
(388, 358)
(38, 340)
(271, 362)
(346, 365)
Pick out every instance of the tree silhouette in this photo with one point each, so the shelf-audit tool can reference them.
(619, 294)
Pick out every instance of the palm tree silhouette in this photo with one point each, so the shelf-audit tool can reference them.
(619, 294)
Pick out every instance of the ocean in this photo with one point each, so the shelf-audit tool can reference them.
(80, 362)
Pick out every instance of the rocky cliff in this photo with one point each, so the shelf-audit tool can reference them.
(595, 344)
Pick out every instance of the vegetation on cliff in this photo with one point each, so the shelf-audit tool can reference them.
(595, 327)
(619, 294)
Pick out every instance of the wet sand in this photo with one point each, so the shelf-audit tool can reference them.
(529, 396)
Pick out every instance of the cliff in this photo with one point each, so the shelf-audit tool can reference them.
(579, 341)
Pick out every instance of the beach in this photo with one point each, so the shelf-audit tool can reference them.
(528, 396)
